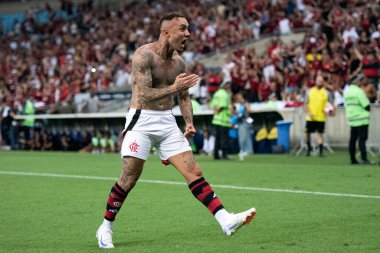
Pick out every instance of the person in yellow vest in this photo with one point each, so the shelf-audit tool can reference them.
(103, 142)
(28, 124)
(108, 143)
(221, 104)
(317, 100)
(357, 105)
(95, 142)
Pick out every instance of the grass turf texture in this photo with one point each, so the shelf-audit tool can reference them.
(50, 214)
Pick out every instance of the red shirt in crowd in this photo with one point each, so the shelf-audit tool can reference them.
(371, 70)
(64, 92)
(265, 91)
(310, 82)
(213, 83)
(253, 86)
(294, 80)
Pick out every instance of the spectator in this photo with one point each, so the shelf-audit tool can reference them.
(55, 61)
(233, 133)
(208, 143)
(293, 77)
(265, 89)
(47, 140)
(350, 35)
(213, 81)
(8, 124)
(37, 139)
(95, 142)
(244, 126)
(65, 141)
(370, 64)
(107, 144)
(254, 84)
(86, 142)
(285, 26)
(269, 70)
(371, 69)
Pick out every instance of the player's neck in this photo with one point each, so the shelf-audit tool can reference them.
(163, 49)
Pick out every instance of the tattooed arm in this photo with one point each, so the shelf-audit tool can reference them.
(185, 104)
(186, 107)
(184, 97)
(187, 113)
(142, 62)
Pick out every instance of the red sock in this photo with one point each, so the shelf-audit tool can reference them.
(205, 194)
(114, 202)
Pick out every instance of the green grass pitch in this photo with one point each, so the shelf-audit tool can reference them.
(41, 212)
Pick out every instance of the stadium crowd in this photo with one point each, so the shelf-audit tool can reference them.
(89, 51)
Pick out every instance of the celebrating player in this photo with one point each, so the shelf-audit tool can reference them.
(158, 75)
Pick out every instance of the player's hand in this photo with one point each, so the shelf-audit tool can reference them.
(311, 116)
(189, 131)
(184, 81)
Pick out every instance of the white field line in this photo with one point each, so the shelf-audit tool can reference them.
(2, 172)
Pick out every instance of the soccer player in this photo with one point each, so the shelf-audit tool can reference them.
(158, 75)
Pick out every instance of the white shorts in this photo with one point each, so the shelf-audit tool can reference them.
(146, 128)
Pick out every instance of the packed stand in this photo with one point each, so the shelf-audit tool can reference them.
(342, 40)
(89, 51)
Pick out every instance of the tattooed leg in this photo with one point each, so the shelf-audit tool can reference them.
(185, 163)
(131, 169)
(199, 187)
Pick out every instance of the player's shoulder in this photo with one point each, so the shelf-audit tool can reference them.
(143, 51)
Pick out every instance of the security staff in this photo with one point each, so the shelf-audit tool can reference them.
(221, 103)
(357, 107)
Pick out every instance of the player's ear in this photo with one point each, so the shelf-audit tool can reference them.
(167, 32)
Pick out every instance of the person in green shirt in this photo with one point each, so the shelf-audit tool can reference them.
(28, 124)
(221, 104)
(357, 107)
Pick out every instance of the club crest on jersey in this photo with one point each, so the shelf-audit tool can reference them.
(134, 147)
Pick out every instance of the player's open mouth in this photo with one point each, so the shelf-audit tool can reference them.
(183, 44)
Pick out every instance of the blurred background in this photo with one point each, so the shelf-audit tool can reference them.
(65, 69)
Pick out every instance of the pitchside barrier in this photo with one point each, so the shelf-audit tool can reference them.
(336, 134)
